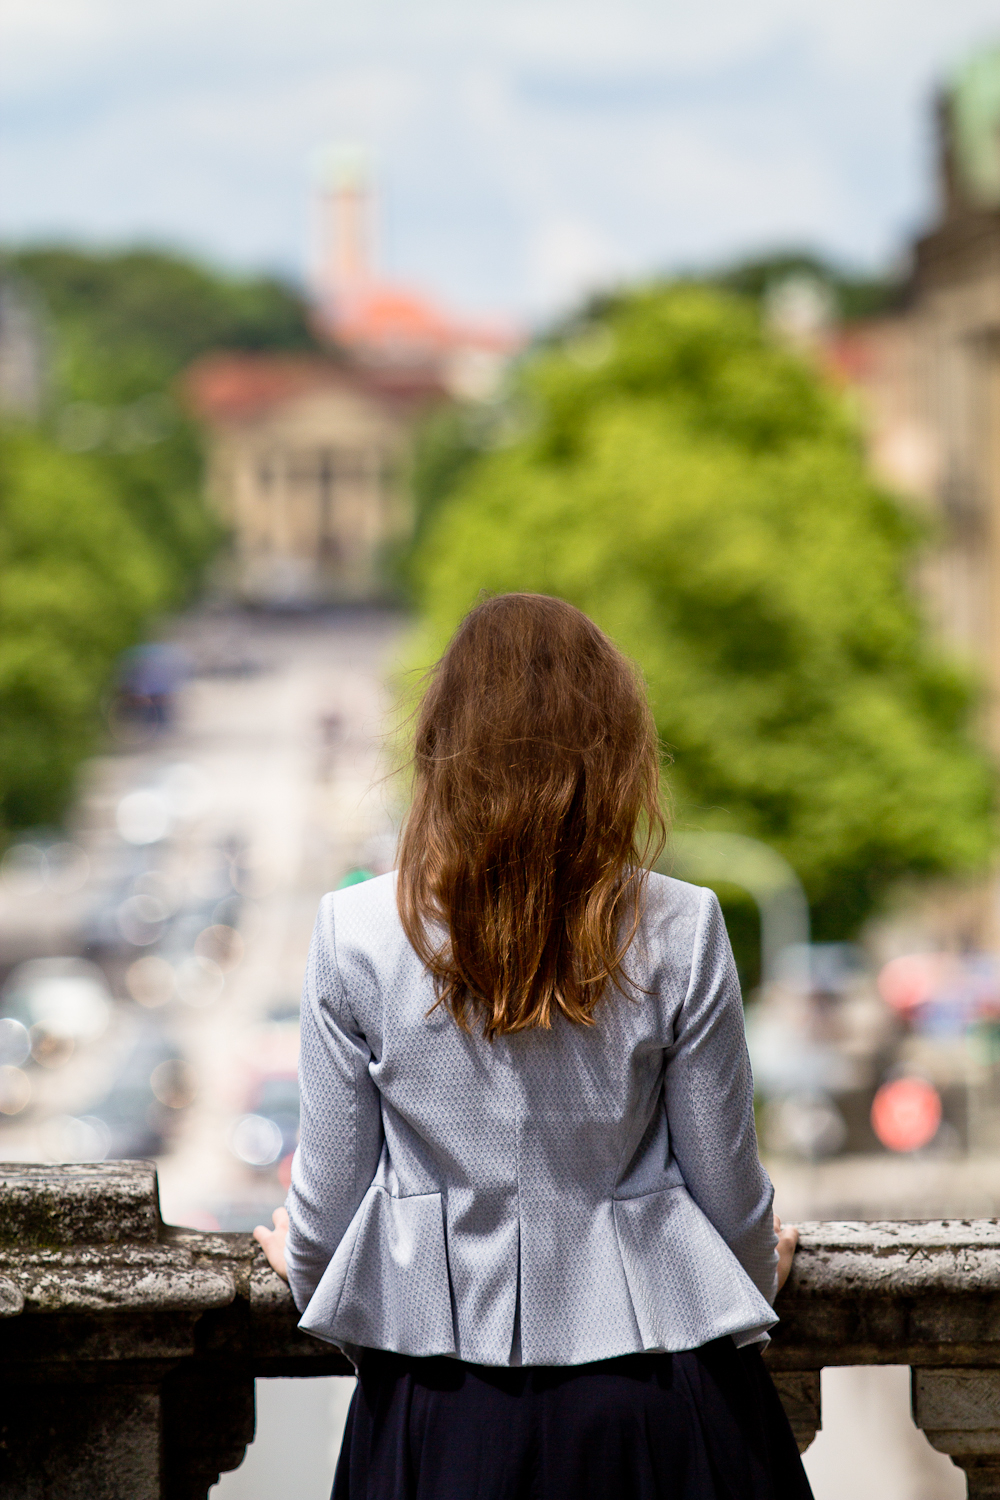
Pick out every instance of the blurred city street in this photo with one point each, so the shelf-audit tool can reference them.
(269, 780)
(263, 792)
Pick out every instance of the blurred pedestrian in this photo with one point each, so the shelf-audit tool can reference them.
(150, 676)
(527, 1200)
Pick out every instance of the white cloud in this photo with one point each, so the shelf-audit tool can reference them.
(527, 146)
(568, 258)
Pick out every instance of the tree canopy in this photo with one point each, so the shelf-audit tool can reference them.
(102, 520)
(78, 580)
(702, 494)
(128, 321)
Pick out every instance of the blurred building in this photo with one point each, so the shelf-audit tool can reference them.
(382, 324)
(308, 454)
(931, 375)
(307, 467)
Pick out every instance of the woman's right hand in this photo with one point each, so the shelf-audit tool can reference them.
(788, 1238)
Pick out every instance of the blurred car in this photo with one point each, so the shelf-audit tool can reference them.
(143, 910)
(140, 1111)
(269, 1130)
(60, 1003)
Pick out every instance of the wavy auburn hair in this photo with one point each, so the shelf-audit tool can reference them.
(536, 809)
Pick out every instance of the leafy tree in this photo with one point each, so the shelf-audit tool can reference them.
(702, 495)
(127, 322)
(78, 580)
(124, 325)
(102, 519)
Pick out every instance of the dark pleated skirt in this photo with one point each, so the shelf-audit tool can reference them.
(705, 1424)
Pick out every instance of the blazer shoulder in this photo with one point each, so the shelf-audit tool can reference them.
(362, 918)
(359, 914)
(676, 918)
(667, 896)
(362, 901)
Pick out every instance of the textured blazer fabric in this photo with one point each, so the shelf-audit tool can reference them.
(549, 1198)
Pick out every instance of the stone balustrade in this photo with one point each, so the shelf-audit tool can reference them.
(128, 1348)
(924, 1294)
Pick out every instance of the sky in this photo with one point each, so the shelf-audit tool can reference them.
(524, 153)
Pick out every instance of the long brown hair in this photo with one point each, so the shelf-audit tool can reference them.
(536, 809)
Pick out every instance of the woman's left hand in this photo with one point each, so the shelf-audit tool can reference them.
(273, 1241)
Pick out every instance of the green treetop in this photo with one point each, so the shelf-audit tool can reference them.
(702, 495)
(103, 525)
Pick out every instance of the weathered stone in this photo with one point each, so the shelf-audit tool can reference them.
(128, 1356)
(80, 1442)
(800, 1396)
(111, 1204)
(959, 1410)
(11, 1299)
(902, 1258)
(91, 1279)
(208, 1420)
(899, 1293)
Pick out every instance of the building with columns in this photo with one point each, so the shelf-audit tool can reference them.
(307, 467)
(308, 455)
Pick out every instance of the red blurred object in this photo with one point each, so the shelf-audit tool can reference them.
(904, 983)
(906, 1114)
(228, 388)
(285, 1171)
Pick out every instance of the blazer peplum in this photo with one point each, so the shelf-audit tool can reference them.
(550, 1198)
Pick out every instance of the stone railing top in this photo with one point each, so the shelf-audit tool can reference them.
(91, 1236)
(904, 1258)
(89, 1271)
(90, 1240)
(888, 1235)
(112, 1203)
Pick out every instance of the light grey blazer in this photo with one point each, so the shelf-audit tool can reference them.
(553, 1197)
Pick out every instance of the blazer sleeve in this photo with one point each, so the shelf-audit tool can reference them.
(340, 1137)
(709, 1101)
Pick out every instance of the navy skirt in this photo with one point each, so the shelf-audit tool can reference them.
(705, 1424)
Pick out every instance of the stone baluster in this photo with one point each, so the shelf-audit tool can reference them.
(925, 1294)
(959, 1410)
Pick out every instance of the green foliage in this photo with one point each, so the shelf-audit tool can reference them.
(447, 443)
(102, 520)
(702, 495)
(79, 580)
(854, 296)
(129, 321)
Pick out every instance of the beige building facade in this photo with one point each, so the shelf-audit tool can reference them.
(307, 467)
(930, 376)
